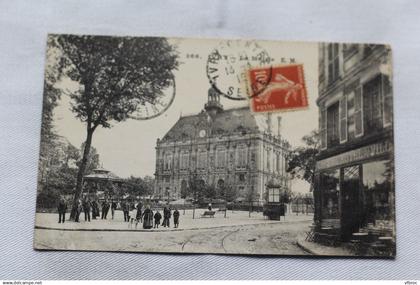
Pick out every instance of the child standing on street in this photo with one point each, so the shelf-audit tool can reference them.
(176, 218)
(157, 217)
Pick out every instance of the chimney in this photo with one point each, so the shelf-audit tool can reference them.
(269, 123)
(279, 126)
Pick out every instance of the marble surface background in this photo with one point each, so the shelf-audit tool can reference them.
(23, 29)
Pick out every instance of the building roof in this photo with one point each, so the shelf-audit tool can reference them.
(225, 122)
(101, 174)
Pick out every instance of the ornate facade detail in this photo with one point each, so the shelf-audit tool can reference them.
(221, 146)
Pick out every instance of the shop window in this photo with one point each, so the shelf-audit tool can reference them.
(372, 106)
(333, 125)
(330, 187)
(377, 182)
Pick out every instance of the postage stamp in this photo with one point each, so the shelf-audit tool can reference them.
(277, 88)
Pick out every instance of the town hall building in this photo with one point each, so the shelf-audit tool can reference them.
(221, 147)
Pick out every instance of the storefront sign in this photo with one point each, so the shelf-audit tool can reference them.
(356, 155)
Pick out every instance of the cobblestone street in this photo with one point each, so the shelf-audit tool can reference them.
(240, 235)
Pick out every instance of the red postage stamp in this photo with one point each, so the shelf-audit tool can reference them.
(277, 88)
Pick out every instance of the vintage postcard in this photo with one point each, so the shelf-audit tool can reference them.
(216, 146)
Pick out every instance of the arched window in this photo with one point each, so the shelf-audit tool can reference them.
(220, 183)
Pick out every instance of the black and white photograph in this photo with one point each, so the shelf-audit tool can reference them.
(150, 144)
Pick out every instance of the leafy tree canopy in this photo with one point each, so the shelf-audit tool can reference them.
(115, 74)
(302, 160)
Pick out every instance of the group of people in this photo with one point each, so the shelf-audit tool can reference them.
(91, 209)
(152, 220)
(132, 213)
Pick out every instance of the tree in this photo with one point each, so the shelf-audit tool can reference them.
(250, 198)
(209, 191)
(302, 162)
(148, 185)
(115, 76)
(228, 192)
(59, 177)
(50, 101)
(195, 188)
(137, 186)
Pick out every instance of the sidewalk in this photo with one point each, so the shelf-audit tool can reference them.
(50, 221)
(319, 249)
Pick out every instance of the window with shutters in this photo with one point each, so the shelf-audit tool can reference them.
(323, 128)
(358, 112)
(333, 136)
(350, 116)
(343, 119)
(387, 100)
(333, 63)
(372, 106)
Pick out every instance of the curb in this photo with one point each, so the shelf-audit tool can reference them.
(158, 230)
(305, 248)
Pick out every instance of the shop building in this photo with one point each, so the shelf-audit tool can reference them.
(355, 168)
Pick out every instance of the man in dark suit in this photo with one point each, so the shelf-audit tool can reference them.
(139, 215)
(62, 208)
(87, 206)
(113, 208)
(105, 209)
(126, 210)
(166, 216)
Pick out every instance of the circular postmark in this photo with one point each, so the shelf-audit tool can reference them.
(228, 63)
(149, 108)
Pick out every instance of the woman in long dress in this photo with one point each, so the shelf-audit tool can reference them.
(147, 218)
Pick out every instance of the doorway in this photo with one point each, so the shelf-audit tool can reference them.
(350, 204)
